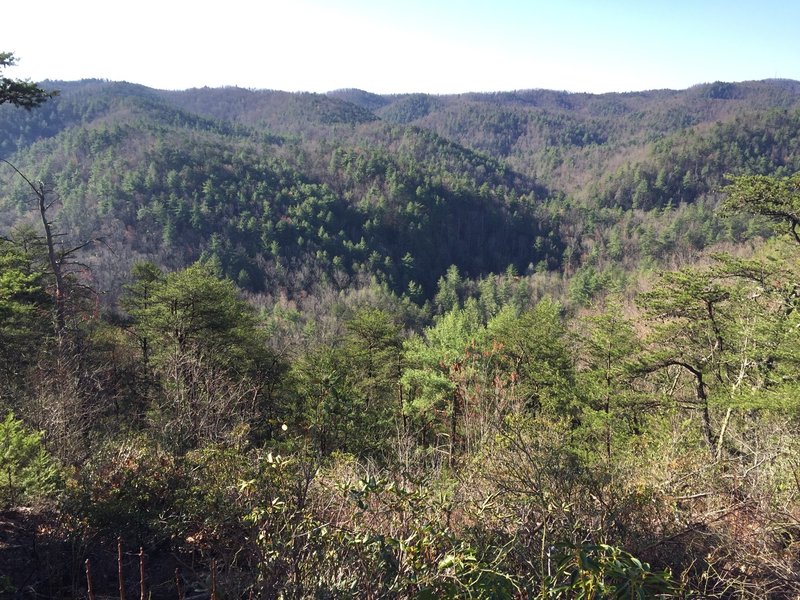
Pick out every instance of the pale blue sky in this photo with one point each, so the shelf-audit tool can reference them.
(443, 46)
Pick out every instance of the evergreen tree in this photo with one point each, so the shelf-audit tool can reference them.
(608, 347)
(19, 92)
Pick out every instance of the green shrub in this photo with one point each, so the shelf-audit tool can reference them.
(27, 472)
(590, 571)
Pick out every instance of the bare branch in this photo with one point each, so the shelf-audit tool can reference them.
(28, 181)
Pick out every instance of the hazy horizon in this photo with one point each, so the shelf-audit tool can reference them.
(442, 48)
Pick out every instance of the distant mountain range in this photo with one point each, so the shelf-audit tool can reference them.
(289, 189)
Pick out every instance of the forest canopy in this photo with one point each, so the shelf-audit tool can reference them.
(346, 346)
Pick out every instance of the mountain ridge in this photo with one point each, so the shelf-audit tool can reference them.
(403, 189)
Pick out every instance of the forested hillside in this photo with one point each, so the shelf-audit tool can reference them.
(350, 186)
(278, 209)
(516, 345)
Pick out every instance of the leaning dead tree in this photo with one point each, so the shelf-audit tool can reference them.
(64, 396)
(57, 257)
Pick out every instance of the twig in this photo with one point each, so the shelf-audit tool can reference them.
(722, 431)
(696, 526)
(141, 573)
(89, 588)
(178, 584)
(693, 496)
(213, 579)
(119, 570)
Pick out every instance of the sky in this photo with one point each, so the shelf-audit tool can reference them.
(403, 46)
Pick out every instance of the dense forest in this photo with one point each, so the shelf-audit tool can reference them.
(517, 345)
